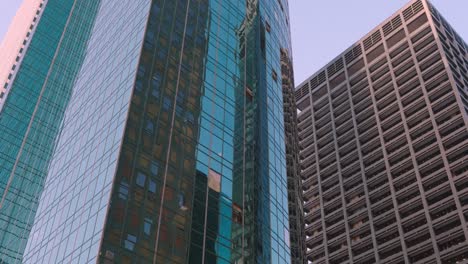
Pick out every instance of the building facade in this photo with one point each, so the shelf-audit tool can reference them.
(170, 139)
(383, 132)
(38, 87)
(16, 41)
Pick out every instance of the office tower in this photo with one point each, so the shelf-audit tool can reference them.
(37, 92)
(296, 210)
(171, 145)
(15, 42)
(384, 143)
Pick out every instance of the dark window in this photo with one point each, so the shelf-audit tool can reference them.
(141, 179)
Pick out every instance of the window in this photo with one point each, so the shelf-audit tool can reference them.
(129, 243)
(189, 118)
(123, 190)
(141, 179)
(167, 103)
(156, 83)
(154, 168)
(181, 198)
(149, 128)
(147, 226)
(138, 86)
(141, 71)
(152, 186)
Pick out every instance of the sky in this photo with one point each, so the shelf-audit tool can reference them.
(322, 29)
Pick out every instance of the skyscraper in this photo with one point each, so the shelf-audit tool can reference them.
(45, 62)
(383, 131)
(168, 140)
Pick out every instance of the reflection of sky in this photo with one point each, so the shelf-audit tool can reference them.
(215, 150)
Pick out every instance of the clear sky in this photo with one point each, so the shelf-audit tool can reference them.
(322, 29)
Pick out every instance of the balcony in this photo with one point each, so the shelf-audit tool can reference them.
(401, 168)
(391, 122)
(423, 253)
(437, 179)
(411, 208)
(367, 125)
(443, 103)
(399, 156)
(310, 172)
(458, 126)
(340, 100)
(411, 96)
(398, 71)
(404, 181)
(428, 154)
(451, 125)
(360, 106)
(383, 92)
(343, 118)
(371, 147)
(391, 110)
(387, 100)
(461, 183)
(459, 169)
(414, 107)
(351, 170)
(442, 209)
(440, 79)
(321, 113)
(408, 194)
(418, 240)
(376, 169)
(424, 142)
(404, 57)
(409, 87)
(439, 193)
(457, 254)
(440, 92)
(337, 112)
(418, 118)
(458, 153)
(421, 130)
(344, 128)
(396, 140)
(380, 193)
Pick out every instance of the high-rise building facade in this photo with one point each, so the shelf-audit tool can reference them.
(383, 131)
(155, 134)
(46, 59)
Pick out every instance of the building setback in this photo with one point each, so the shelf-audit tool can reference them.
(383, 132)
(169, 136)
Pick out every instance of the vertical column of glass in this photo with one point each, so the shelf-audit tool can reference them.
(29, 125)
(70, 218)
(275, 19)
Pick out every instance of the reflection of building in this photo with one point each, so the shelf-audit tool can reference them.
(171, 148)
(296, 211)
(384, 140)
(38, 87)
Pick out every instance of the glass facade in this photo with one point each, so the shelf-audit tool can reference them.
(71, 214)
(30, 118)
(172, 146)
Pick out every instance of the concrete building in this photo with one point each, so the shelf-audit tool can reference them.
(383, 131)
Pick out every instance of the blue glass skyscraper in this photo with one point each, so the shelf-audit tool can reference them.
(171, 142)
